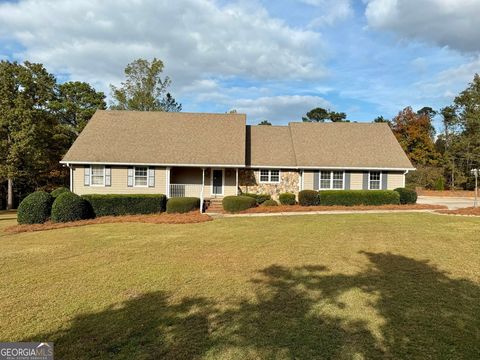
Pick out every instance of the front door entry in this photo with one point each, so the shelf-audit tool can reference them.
(217, 182)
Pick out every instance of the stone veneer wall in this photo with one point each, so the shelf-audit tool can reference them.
(249, 181)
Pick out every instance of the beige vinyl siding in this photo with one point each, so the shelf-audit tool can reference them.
(308, 180)
(395, 180)
(356, 180)
(119, 177)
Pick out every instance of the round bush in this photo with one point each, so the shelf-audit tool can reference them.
(35, 208)
(70, 207)
(59, 191)
(308, 198)
(182, 204)
(270, 203)
(238, 203)
(407, 196)
(287, 198)
(259, 198)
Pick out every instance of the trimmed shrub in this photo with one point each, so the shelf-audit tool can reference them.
(70, 207)
(270, 203)
(131, 204)
(359, 197)
(35, 208)
(259, 198)
(59, 191)
(182, 204)
(238, 203)
(287, 198)
(407, 196)
(308, 198)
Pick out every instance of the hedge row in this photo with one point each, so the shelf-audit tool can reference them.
(238, 203)
(182, 204)
(132, 204)
(359, 197)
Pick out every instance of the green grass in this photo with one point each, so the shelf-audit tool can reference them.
(299, 287)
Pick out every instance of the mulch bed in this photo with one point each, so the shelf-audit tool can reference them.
(446, 193)
(464, 211)
(298, 208)
(164, 218)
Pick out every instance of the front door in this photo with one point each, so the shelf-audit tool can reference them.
(217, 182)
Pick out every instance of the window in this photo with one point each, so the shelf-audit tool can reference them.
(269, 176)
(141, 176)
(337, 181)
(330, 180)
(325, 179)
(374, 180)
(97, 175)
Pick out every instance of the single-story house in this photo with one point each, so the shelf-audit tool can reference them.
(215, 155)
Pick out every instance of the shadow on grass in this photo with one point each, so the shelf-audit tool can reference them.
(423, 312)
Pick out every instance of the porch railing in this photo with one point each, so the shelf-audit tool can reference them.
(181, 190)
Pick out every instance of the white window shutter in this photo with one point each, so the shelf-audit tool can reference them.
(108, 176)
(86, 178)
(130, 177)
(151, 177)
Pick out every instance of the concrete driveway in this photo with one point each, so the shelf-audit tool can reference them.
(452, 203)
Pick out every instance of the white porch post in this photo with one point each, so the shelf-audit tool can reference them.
(71, 177)
(167, 182)
(201, 193)
(301, 180)
(236, 181)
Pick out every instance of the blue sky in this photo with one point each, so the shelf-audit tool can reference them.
(273, 60)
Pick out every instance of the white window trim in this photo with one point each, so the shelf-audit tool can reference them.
(380, 181)
(135, 177)
(91, 176)
(269, 176)
(223, 182)
(331, 180)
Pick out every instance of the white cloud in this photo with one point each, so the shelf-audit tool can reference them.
(332, 11)
(278, 109)
(452, 23)
(197, 39)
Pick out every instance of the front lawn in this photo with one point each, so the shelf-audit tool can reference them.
(299, 287)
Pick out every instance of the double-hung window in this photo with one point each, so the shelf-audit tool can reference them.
(141, 176)
(330, 180)
(269, 176)
(97, 177)
(374, 180)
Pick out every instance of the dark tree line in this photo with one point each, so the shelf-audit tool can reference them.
(40, 118)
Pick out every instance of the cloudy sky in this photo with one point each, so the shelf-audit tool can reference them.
(273, 60)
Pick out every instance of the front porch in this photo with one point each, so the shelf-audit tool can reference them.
(204, 183)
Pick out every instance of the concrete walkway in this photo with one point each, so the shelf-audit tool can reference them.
(328, 212)
(453, 203)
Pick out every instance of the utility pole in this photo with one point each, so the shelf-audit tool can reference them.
(475, 172)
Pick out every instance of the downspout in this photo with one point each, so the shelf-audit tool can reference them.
(404, 174)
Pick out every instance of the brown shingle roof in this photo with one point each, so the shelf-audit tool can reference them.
(131, 137)
(161, 138)
(270, 146)
(348, 145)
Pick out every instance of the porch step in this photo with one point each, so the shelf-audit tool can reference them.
(214, 205)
